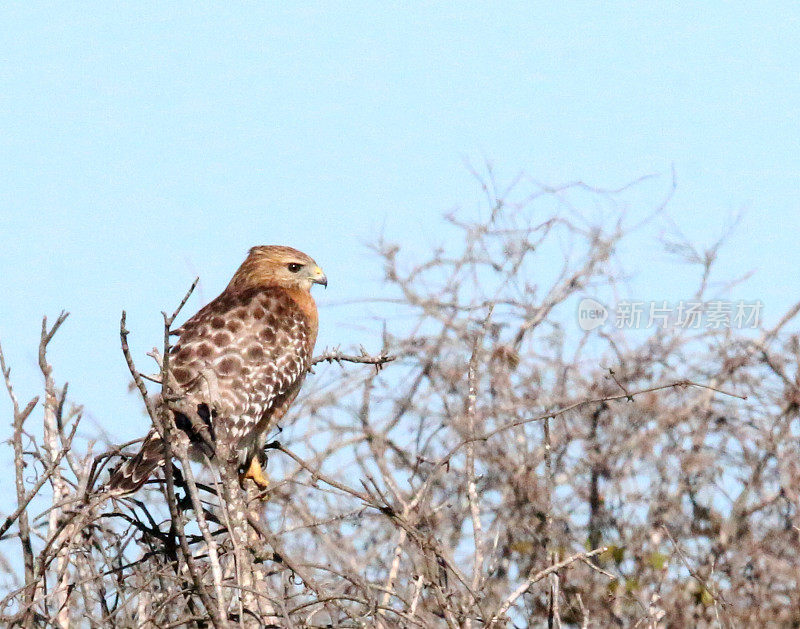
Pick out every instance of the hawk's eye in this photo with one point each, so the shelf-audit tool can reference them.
(294, 267)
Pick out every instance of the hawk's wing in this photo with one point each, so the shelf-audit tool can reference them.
(244, 354)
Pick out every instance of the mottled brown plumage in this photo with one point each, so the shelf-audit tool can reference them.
(245, 355)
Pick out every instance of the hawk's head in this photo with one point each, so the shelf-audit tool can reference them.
(273, 265)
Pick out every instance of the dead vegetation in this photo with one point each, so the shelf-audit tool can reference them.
(505, 469)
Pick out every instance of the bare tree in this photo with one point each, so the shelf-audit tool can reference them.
(505, 468)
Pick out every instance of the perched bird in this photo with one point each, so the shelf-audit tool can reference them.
(245, 356)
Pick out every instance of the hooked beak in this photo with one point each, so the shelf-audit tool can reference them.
(318, 277)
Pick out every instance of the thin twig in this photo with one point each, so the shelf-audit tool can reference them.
(363, 358)
(535, 578)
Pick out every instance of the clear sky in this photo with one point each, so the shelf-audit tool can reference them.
(144, 143)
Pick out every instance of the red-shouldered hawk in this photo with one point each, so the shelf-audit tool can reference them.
(249, 350)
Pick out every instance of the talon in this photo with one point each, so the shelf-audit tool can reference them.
(255, 473)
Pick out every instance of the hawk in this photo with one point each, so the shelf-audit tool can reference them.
(245, 356)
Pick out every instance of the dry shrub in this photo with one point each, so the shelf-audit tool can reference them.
(505, 469)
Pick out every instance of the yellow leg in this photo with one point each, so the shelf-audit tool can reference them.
(256, 473)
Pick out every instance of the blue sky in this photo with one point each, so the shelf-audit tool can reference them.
(143, 144)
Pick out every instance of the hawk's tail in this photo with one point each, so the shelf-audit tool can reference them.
(134, 472)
